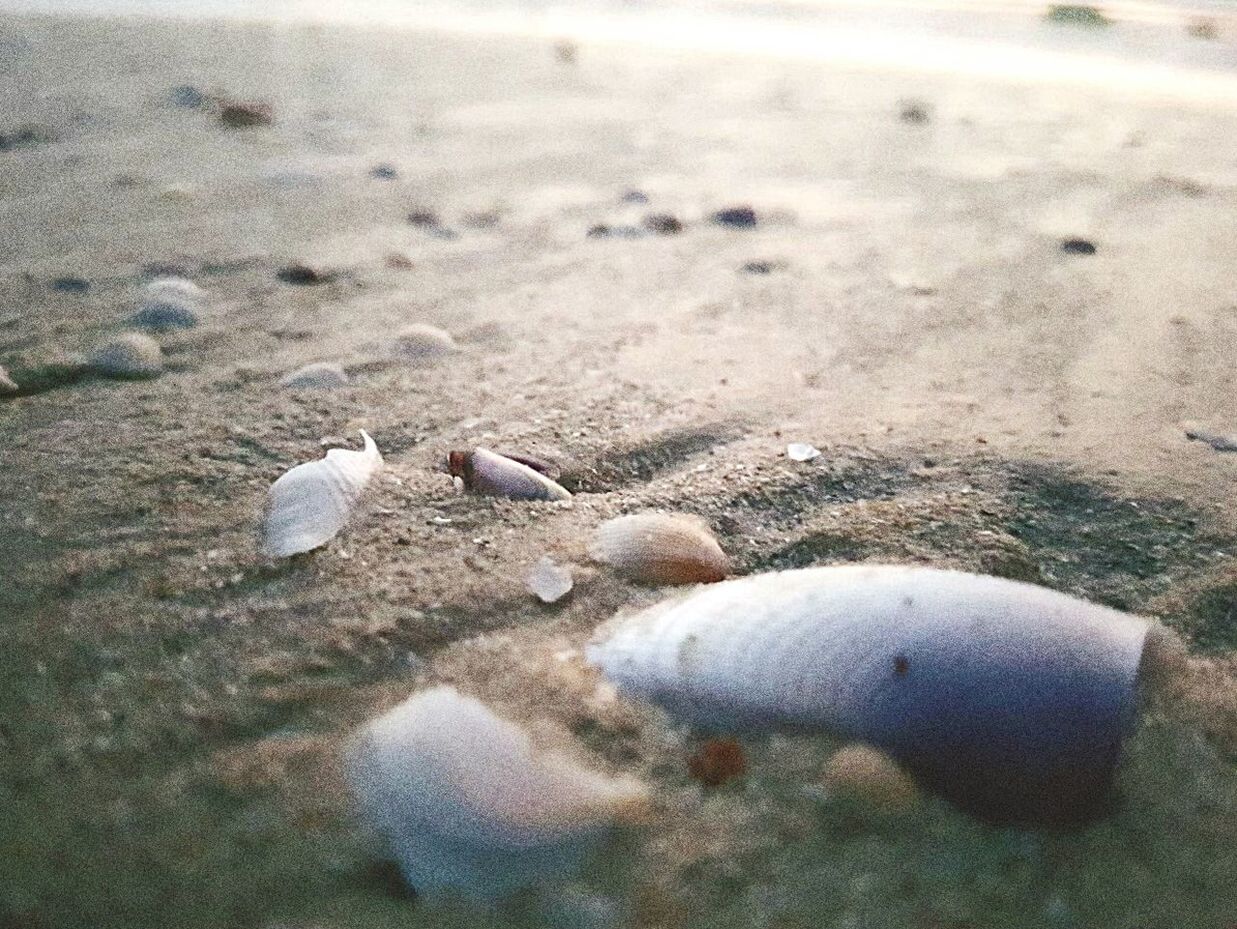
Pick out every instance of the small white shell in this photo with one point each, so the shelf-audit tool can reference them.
(7, 385)
(1009, 698)
(422, 340)
(486, 472)
(655, 548)
(469, 804)
(802, 451)
(130, 354)
(309, 504)
(169, 303)
(548, 582)
(321, 375)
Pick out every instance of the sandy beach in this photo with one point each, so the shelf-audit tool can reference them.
(172, 703)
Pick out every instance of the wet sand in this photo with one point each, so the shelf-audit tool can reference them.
(172, 703)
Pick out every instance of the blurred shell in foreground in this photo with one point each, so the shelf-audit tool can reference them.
(655, 548)
(487, 472)
(1010, 699)
(310, 504)
(129, 355)
(321, 375)
(470, 804)
(169, 303)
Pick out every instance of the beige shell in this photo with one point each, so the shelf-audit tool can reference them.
(469, 803)
(422, 340)
(7, 385)
(867, 774)
(487, 472)
(656, 548)
(130, 354)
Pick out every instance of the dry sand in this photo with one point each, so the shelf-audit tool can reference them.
(170, 704)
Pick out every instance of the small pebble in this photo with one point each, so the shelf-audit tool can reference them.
(1221, 443)
(915, 112)
(168, 303)
(129, 355)
(424, 219)
(25, 137)
(321, 375)
(238, 115)
(548, 582)
(71, 285)
(801, 451)
(397, 262)
(566, 52)
(302, 275)
(736, 217)
(761, 267)
(187, 96)
(384, 172)
(662, 224)
(717, 761)
(1078, 247)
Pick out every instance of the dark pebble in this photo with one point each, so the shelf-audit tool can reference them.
(24, 137)
(384, 172)
(187, 96)
(662, 224)
(602, 231)
(635, 196)
(246, 115)
(302, 275)
(483, 219)
(761, 267)
(736, 217)
(70, 285)
(423, 219)
(1078, 247)
(914, 112)
(162, 317)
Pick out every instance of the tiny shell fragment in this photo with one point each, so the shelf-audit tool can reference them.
(548, 582)
(657, 548)
(801, 451)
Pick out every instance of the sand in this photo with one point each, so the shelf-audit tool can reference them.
(172, 704)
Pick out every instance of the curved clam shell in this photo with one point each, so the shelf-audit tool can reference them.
(1008, 698)
(129, 355)
(169, 303)
(421, 340)
(655, 548)
(487, 472)
(468, 802)
(308, 505)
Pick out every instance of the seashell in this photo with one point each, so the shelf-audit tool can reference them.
(867, 774)
(654, 548)
(309, 504)
(129, 355)
(1218, 441)
(548, 582)
(319, 375)
(422, 340)
(1010, 699)
(486, 472)
(7, 385)
(802, 451)
(169, 303)
(470, 804)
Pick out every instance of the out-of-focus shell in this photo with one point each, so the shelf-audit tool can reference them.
(129, 355)
(422, 340)
(864, 773)
(321, 375)
(487, 472)
(1010, 699)
(169, 303)
(470, 804)
(655, 548)
(311, 503)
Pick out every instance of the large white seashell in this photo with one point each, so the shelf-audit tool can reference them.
(469, 804)
(309, 504)
(656, 548)
(129, 355)
(486, 472)
(169, 303)
(1010, 699)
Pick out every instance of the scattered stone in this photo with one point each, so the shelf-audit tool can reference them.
(1077, 14)
(634, 196)
(566, 52)
(1203, 27)
(237, 115)
(662, 224)
(188, 97)
(915, 112)
(1221, 443)
(129, 355)
(481, 219)
(421, 340)
(548, 582)
(604, 231)
(303, 275)
(424, 219)
(26, 136)
(1078, 247)
(397, 262)
(801, 451)
(169, 303)
(860, 772)
(71, 285)
(384, 172)
(761, 267)
(321, 375)
(717, 761)
(736, 217)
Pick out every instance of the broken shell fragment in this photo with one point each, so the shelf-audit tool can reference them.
(1011, 700)
(169, 303)
(422, 340)
(320, 375)
(7, 385)
(470, 804)
(860, 772)
(655, 548)
(548, 582)
(311, 503)
(486, 472)
(129, 355)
